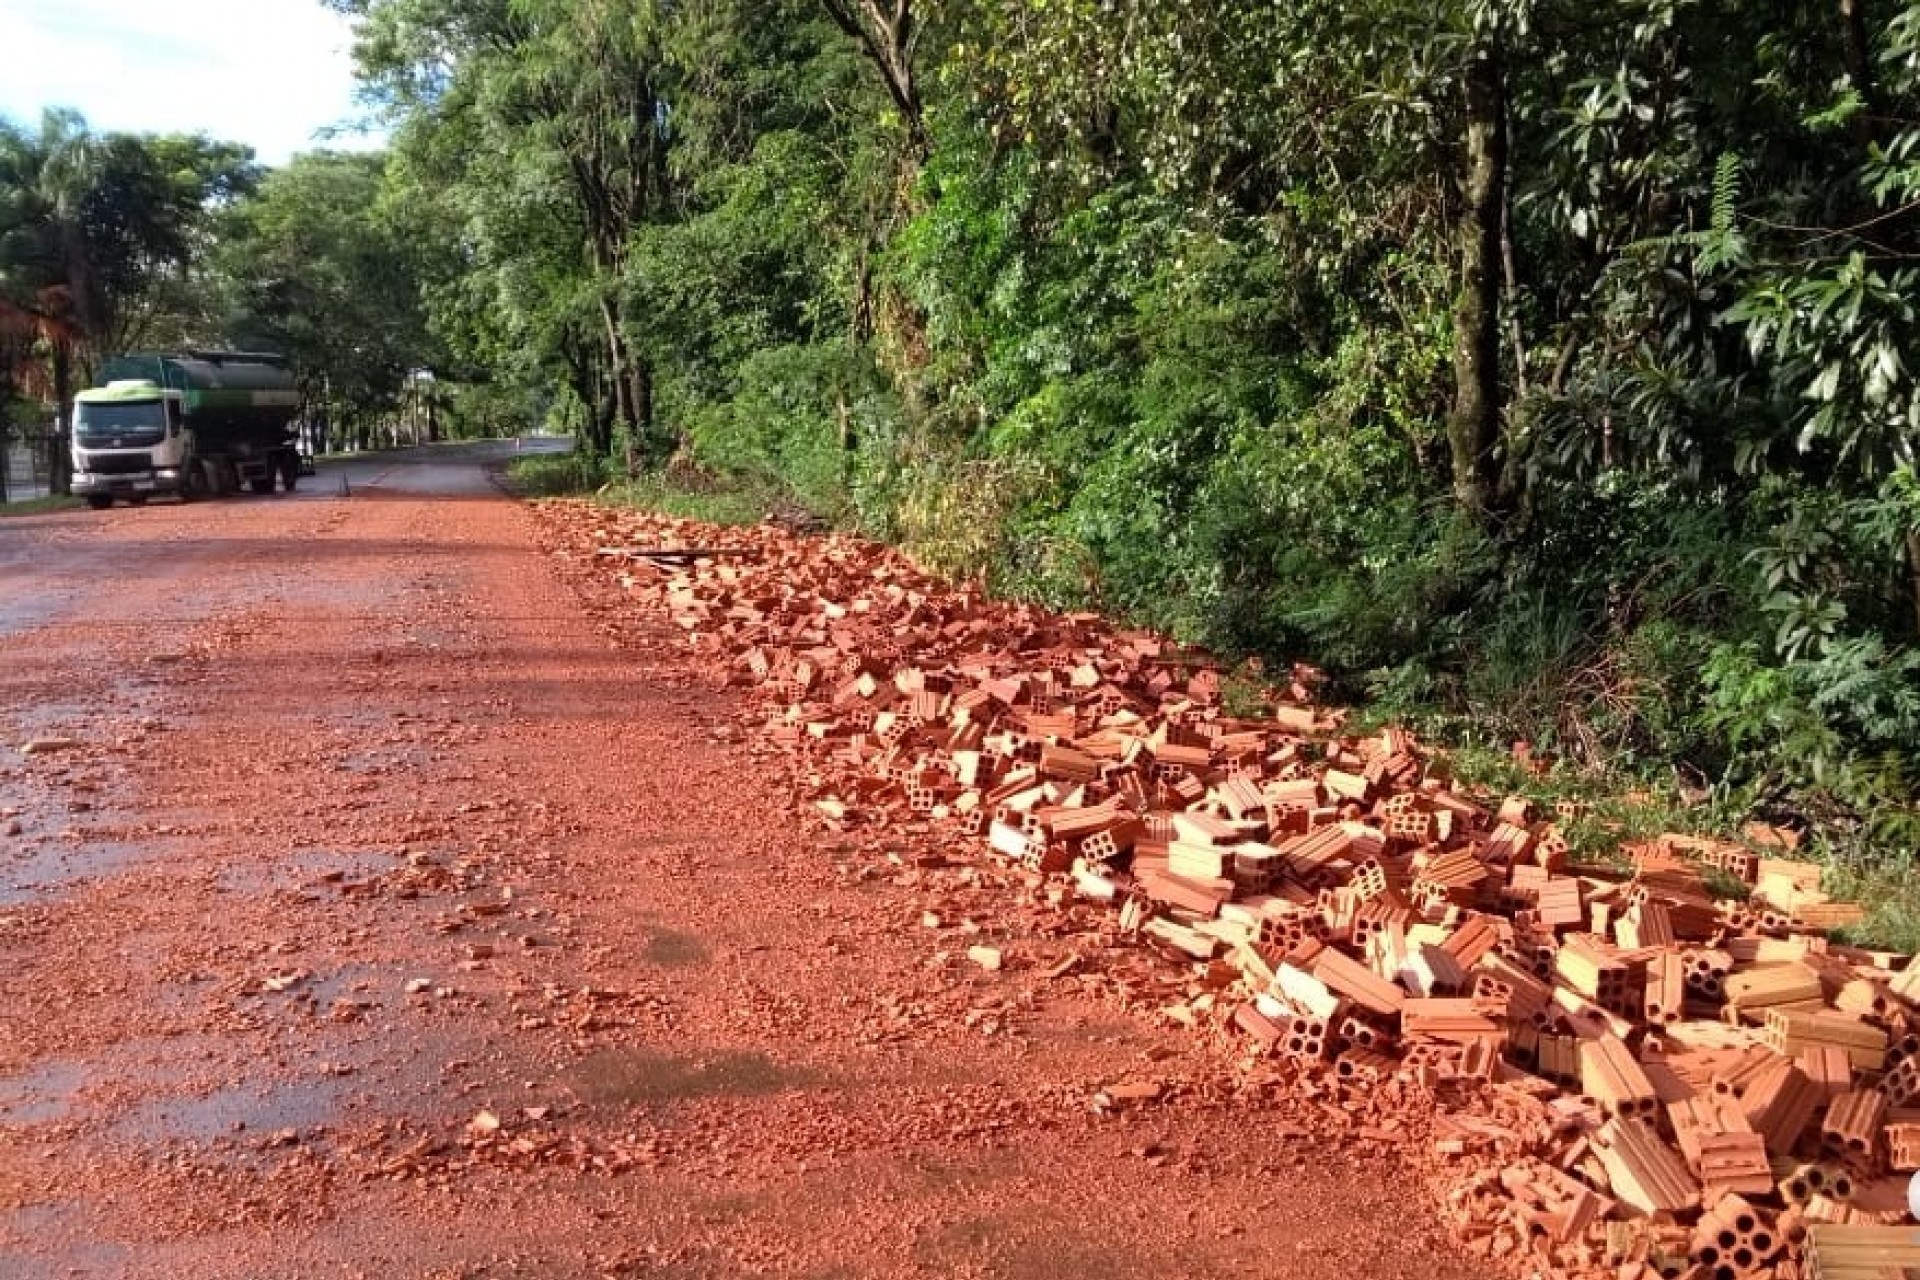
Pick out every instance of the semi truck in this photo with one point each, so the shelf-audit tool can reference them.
(188, 423)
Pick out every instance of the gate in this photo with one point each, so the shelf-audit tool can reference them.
(28, 460)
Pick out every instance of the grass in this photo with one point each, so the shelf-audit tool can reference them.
(1890, 892)
(713, 500)
(38, 506)
(674, 491)
(554, 475)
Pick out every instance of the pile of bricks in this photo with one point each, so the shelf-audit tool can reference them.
(1703, 1075)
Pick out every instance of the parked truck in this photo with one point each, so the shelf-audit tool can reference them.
(189, 423)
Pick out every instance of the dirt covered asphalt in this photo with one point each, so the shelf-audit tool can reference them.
(373, 903)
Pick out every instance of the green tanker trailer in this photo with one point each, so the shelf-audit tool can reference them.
(192, 423)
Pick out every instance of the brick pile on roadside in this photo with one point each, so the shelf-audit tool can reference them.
(1649, 1076)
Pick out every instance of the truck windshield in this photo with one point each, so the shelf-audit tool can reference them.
(123, 425)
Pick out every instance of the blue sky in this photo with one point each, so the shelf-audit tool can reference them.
(268, 73)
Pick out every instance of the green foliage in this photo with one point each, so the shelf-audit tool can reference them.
(322, 273)
(99, 235)
(800, 417)
(484, 411)
(691, 494)
(551, 475)
(954, 514)
(38, 506)
(1833, 336)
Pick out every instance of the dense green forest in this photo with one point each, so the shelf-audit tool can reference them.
(1541, 369)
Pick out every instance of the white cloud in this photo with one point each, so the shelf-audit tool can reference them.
(268, 73)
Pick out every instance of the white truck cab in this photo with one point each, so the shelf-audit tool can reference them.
(129, 442)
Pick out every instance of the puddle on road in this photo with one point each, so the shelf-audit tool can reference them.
(212, 1090)
(23, 611)
(381, 761)
(44, 1095)
(674, 949)
(32, 1234)
(363, 720)
(64, 796)
(241, 1108)
(305, 869)
(113, 703)
(47, 719)
(27, 874)
(622, 1077)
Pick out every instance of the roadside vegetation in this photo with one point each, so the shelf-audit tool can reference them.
(38, 506)
(553, 474)
(1542, 373)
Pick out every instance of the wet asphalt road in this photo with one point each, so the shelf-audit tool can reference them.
(54, 571)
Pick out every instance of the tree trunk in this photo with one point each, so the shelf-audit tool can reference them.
(600, 438)
(60, 463)
(888, 32)
(1474, 423)
(1853, 17)
(1913, 572)
(582, 377)
(641, 372)
(862, 318)
(639, 395)
(618, 385)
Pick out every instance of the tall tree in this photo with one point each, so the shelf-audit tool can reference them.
(47, 267)
(889, 33)
(1473, 421)
(1390, 117)
(319, 271)
(94, 227)
(568, 105)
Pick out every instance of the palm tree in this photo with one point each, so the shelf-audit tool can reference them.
(48, 278)
(92, 225)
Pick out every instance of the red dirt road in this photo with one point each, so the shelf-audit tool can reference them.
(384, 908)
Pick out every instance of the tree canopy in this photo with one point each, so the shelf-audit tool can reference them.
(1538, 364)
(95, 233)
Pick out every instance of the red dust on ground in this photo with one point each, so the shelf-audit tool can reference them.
(373, 905)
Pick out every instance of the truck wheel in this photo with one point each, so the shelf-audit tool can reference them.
(263, 484)
(289, 473)
(99, 501)
(206, 479)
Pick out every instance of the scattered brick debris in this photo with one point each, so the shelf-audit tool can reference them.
(1630, 1075)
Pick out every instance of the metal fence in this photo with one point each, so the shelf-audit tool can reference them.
(27, 462)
